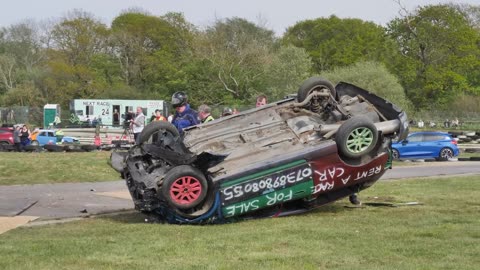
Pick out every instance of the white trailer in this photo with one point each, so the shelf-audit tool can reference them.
(113, 112)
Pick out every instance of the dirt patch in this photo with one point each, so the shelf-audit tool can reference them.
(9, 223)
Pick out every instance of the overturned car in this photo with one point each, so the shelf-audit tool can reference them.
(283, 158)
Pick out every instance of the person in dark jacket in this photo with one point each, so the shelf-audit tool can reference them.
(184, 115)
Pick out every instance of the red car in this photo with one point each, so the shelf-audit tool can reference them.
(6, 135)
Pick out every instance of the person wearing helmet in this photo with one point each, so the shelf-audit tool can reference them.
(227, 111)
(184, 115)
(204, 113)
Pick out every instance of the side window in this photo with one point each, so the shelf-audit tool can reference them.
(415, 138)
(43, 133)
(429, 137)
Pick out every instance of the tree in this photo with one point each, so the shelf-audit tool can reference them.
(238, 51)
(374, 77)
(79, 37)
(77, 41)
(7, 72)
(150, 50)
(439, 54)
(334, 42)
(289, 67)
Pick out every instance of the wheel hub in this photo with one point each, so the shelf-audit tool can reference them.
(359, 140)
(185, 190)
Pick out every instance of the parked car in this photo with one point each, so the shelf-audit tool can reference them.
(6, 135)
(426, 145)
(49, 136)
(282, 158)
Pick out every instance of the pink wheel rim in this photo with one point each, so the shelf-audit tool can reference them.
(185, 190)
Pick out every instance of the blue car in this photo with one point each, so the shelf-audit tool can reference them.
(47, 136)
(425, 145)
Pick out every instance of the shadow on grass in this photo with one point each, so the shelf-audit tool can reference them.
(138, 217)
(127, 218)
(334, 208)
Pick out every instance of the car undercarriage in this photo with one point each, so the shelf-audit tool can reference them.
(283, 158)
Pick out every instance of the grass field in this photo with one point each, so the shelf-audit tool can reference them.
(49, 167)
(442, 233)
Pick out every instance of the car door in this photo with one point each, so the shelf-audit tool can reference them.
(412, 147)
(46, 137)
(431, 144)
(42, 137)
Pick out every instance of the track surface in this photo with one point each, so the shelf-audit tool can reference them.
(58, 201)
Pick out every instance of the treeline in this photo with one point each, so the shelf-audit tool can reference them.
(429, 58)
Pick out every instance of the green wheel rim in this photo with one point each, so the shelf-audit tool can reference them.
(359, 140)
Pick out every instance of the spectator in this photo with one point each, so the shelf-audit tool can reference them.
(227, 111)
(138, 123)
(204, 113)
(170, 117)
(455, 122)
(16, 138)
(158, 116)
(261, 100)
(420, 123)
(59, 134)
(25, 136)
(128, 119)
(446, 124)
(184, 115)
(57, 121)
(152, 117)
(116, 118)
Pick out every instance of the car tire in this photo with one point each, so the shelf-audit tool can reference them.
(184, 187)
(32, 148)
(311, 85)
(53, 148)
(356, 137)
(445, 154)
(395, 154)
(161, 129)
(89, 147)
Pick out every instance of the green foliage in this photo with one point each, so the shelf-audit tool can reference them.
(434, 51)
(289, 67)
(24, 168)
(441, 233)
(374, 77)
(440, 54)
(24, 95)
(238, 52)
(334, 42)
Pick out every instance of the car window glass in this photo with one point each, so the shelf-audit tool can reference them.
(43, 134)
(415, 138)
(429, 137)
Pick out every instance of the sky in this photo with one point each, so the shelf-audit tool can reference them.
(276, 15)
